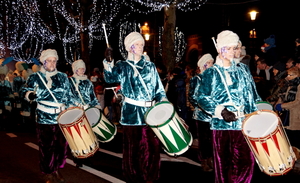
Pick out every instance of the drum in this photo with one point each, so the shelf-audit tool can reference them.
(104, 130)
(168, 127)
(269, 143)
(264, 105)
(78, 132)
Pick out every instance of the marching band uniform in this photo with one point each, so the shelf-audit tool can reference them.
(51, 90)
(202, 118)
(141, 87)
(83, 91)
(228, 92)
(82, 88)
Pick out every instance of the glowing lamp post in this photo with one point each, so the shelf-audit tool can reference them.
(145, 30)
(252, 32)
(253, 15)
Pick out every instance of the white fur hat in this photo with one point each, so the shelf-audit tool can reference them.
(227, 38)
(77, 64)
(4, 68)
(204, 59)
(48, 53)
(131, 38)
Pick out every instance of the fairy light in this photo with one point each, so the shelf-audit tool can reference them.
(28, 26)
(152, 5)
(180, 43)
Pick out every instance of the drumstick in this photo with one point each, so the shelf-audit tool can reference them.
(213, 38)
(250, 114)
(105, 35)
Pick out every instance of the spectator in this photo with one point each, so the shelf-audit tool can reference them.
(288, 106)
(270, 52)
(279, 82)
(263, 79)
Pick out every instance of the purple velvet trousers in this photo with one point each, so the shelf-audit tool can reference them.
(52, 148)
(141, 154)
(233, 159)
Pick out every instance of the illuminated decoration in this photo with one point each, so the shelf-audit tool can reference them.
(29, 49)
(180, 43)
(2, 50)
(27, 26)
(125, 29)
(154, 5)
(20, 21)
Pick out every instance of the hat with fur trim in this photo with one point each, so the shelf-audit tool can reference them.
(206, 57)
(48, 53)
(77, 64)
(227, 38)
(3, 68)
(131, 38)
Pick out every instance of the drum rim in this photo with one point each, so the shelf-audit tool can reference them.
(164, 123)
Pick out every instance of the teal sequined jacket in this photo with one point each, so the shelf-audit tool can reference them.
(132, 87)
(198, 113)
(86, 89)
(60, 88)
(212, 95)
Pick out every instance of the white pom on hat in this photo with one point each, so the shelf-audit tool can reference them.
(204, 59)
(48, 53)
(227, 38)
(77, 64)
(131, 38)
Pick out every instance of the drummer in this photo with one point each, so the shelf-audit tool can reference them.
(142, 88)
(228, 92)
(83, 91)
(51, 90)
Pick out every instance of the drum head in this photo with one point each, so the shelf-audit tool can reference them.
(260, 125)
(93, 115)
(159, 114)
(70, 115)
(264, 105)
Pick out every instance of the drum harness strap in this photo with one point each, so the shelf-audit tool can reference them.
(135, 102)
(84, 106)
(238, 113)
(58, 107)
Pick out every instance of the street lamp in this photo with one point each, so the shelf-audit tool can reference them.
(253, 14)
(253, 17)
(145, 30)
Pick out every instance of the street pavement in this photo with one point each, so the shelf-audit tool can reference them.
(19, 163)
